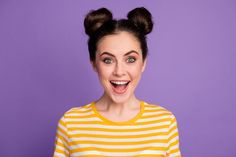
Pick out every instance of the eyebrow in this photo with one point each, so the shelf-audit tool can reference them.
(128, 53)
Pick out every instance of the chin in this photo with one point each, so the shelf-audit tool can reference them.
(119, 98)
(119, 93)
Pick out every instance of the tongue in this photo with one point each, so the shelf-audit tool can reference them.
(120, 88)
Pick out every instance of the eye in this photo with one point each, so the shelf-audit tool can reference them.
(107, 60)
(131, 60)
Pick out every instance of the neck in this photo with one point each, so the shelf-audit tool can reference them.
(105, 104)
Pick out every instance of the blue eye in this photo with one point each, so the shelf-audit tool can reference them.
(131, 60)
(107, 60)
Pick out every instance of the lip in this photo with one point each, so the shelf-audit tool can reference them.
(117, 90)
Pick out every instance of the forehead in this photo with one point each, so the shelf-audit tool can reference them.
(120, 42)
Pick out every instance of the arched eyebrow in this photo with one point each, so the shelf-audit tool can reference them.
(130, 52)
(126, 54)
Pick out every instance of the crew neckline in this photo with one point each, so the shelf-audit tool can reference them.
(131, 121)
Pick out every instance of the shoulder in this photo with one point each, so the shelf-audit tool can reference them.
(77, 111)
(158, 114)
(157, 110)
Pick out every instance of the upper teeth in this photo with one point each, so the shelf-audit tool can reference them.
(119, 82)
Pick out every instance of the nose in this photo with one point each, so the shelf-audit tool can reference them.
(119, 69)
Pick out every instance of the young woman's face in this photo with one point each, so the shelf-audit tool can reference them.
(119, 65)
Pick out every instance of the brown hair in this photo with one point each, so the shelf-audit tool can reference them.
(99, 23)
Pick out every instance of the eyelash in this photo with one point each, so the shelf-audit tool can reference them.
(131, 58)
(109, 60)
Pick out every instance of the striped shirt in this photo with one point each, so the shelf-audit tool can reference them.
(84, 132)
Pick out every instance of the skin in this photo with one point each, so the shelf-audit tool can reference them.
(119, 58)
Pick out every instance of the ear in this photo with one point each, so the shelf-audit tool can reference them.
(93, 65)
(144, 65)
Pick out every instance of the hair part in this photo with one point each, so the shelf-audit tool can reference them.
(100, 23)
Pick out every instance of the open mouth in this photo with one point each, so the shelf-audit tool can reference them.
(120, 87)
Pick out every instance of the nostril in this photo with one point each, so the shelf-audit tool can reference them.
(118, 73)
(118, 70)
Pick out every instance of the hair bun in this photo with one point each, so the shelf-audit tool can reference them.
(95, 19)
(142, 18)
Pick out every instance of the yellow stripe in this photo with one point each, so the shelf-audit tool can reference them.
(85, 116)
(62, 139)
(119, 136)
(102, 123)
(119, 143)
(156, 115)
(121, 130)
(61, 152)
(174, 143)
(153, 122)
(173, 136)
(117, 150)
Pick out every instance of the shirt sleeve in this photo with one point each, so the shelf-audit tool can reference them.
(61, 140)
(173, 139)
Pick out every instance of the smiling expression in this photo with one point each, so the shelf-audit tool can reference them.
(119, 64)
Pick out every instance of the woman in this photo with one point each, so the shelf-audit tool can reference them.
(118, 123)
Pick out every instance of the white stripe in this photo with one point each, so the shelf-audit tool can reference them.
(175, 154)
(173, 147)
(62, 127)
(173, 125)
(116, 126)
(59, 154)
(62, 148)
(173, 140)
(118, 133)
(78, 139)
(153, 107)
(155, 113)
(119, 146)
(80, 114)
(66, 138)
(92, 119)
(148, 108)
(82, 108)
(153, 118)
(173, 132)
(117, 154)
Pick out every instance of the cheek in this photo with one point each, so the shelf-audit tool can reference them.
(136, 71)
(103, 72)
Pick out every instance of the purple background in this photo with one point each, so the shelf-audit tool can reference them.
(45, 70)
